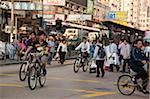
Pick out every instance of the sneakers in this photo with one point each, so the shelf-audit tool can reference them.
(103, 75)
(145, 91)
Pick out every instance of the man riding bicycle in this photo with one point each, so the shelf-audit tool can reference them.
(85, 48)
(137, 62)
(40, 46)
(29, 43)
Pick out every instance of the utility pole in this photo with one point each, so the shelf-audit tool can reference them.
(12, 19)
(42, 12)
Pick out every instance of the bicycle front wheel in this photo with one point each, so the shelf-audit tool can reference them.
(125, 85)
(32, 78)
(23, 72)
(85, 67)
(42, 77)
(76, 65)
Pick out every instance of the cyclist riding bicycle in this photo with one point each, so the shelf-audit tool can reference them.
(29, 43)
(85, 48)
(40, 46)
(137, 62)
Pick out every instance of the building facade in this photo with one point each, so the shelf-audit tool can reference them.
(138, 13)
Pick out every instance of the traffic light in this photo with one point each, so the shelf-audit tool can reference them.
(58, 24)
(40, 21)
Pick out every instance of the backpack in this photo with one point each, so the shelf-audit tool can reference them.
(101, 52)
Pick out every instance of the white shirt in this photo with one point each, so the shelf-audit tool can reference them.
(95, 56)
(113, 48)
(126, 54)
(85, 47)
(64, 47)
(122, 48)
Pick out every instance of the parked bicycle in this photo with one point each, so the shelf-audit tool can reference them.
(36, 72)
(81, 62)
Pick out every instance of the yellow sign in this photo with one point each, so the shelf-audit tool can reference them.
(120, 22)
(118, 17)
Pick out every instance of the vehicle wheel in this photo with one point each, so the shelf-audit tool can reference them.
(125, 85)
(32, 78)
(76, 65)
(22, 72)
(42, 78)
(85, 67)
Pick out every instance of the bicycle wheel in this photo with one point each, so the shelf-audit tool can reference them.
(125, 85)
(76, 66)
(42, 77)
(32, 78)
(22, 72)
(85, 67)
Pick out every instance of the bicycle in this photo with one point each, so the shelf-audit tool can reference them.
(24, 68)
(80, 62)
(36, 72)
(126, 85)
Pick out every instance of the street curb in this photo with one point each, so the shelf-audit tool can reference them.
(14, 63)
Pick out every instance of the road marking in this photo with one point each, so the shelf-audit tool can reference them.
(11, 85)
(89, 93)
(96, 94)
(77, 80)
(12, 75)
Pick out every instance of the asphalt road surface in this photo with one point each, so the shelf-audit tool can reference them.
(62, 83)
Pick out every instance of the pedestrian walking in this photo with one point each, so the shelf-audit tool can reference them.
(51, 45)
(99, 55)
(113, 56)
(62, 50)
(126, 56)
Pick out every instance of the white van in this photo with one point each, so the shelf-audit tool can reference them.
(92, 35)
(71, 33)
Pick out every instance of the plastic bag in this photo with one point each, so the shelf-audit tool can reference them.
(93, 65)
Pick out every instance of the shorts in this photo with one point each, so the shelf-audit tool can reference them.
(44, 59)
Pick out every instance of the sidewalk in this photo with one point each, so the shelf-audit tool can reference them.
(12, 62)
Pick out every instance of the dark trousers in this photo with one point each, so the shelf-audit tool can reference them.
(120, 59)
(125, 63)
(62, 57)
(112, 66)
(100, 65)
(141, 73)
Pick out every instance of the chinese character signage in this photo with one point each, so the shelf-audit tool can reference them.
(90, 6)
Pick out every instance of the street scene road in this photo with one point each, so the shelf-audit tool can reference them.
(62, 83)
(83, 49)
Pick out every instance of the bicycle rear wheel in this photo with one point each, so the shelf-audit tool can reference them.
(76, 65)
(32, 78)
(23, 72)
(125, 85)
(42, 77)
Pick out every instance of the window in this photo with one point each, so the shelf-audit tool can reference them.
(148, 11)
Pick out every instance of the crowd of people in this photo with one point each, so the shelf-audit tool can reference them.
(123, 56)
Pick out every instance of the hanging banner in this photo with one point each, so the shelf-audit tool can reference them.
(90, 6)
(54, 2)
